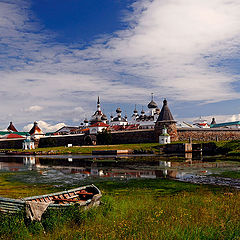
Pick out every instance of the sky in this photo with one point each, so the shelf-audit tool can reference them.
(57, 56)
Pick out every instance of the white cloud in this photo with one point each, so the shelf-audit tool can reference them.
(46, 127)
(218, 118)
(167, 45)
(171, 47)
(79, 109)
(34, 108)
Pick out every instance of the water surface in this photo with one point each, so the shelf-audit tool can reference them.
(79, 169)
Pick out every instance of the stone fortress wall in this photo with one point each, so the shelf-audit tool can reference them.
(11, 144)
(135, 136)
(195, 134)
(208, 134)
(58, 141)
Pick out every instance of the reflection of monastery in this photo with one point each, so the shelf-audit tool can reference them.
(89, 169)
(144, 126)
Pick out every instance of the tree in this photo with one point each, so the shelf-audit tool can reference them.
(104, 137)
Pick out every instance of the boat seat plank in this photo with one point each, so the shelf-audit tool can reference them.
(85, 193)
(74, 196)
(66, 200)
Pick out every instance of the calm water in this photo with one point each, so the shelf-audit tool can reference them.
(79, 168)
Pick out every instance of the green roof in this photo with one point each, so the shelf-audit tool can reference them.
(19, 133)
(164, 134)
(224, 124)
(4, 132)
(49, 133)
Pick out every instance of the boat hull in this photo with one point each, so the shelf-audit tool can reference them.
(87, 196)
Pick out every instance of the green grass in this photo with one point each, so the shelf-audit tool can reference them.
(228, 146)
(14, 189)
(231, 148)
(228, 174)
(136, 209)
(88, 149)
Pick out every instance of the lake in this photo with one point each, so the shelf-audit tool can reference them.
(75, 169)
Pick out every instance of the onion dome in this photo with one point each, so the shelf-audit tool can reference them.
(142, 112)
(213, 121)
(118, 110)
(152, 104)
(85, 120)
(104, 117)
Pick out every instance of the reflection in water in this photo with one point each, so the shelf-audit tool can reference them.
(29, 162)
(12, 167)
(72, 168)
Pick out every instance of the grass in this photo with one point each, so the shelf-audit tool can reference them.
(228, 146)
(88, 149)
(136, 209)
(231, 148)
(228, 174)
(14, 189)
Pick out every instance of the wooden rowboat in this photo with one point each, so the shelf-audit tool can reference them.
(87, 196)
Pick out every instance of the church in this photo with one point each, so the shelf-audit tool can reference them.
(142, 120)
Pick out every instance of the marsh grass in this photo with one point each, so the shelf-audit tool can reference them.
(9, 187)
(139, 209)
(228, 174)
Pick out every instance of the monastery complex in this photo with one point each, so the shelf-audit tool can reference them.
(154, 125)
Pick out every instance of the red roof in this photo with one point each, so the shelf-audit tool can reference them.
(117, 127)
(99, 124)
(126, 127)
(84, 130)
(13, 135)
(132, 127)
(202, 124)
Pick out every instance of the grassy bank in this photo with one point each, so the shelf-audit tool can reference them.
(228, 174)
(141, 147)
(136, 209)
(229, 148)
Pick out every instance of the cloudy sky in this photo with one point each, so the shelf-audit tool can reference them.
(57, 56)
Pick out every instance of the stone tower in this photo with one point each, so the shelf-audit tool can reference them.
(165, 120)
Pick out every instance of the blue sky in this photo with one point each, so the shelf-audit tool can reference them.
(79, 20)
(57, 56)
